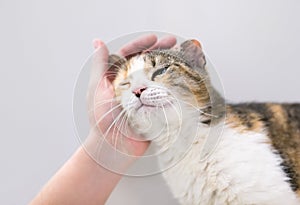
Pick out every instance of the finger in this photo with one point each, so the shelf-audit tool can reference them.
(97, 43)
(99, 61)
(100, 56)
(98, 67)
(138, 45)
(164, 43)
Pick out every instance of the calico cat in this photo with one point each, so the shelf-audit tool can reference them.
(257, 158)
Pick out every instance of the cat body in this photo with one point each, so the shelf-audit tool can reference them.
(244, 168)
(257, 157)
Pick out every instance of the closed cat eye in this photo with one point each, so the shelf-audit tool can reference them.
(159, 72)
(125, 84)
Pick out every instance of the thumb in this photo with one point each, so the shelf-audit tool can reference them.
(98, 68)
(99, 63)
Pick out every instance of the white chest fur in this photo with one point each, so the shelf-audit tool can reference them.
(242, 170)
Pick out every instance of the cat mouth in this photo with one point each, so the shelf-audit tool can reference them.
(149, 107)
(145, 106)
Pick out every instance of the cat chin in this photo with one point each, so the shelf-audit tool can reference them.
(153, 125)
(146, 108)
(150, 129)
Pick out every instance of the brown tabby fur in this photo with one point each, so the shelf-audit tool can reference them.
(281, 122)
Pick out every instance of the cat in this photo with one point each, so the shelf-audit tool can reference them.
(257, 158)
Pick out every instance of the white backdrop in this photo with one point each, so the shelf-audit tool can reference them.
(254, 45)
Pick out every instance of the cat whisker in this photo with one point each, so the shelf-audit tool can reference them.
(113, 64)
(104, 101)
(117, 128)
(202, 79)
(161, 87)
(98, 104)
(108, 76)
(122, 124)
(192, 105)
(114, 122)
(111, 74)
(173, 106)
(199, 109)
(149, 119)
(98, 121)
(106, 113)
(127, 123)
(115, 138)
(107, 131)
(167, 122)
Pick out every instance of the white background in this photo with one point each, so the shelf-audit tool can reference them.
(253, 44)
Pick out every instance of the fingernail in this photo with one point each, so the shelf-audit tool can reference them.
(97, 43)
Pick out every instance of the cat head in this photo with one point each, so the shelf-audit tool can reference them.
(163, 87)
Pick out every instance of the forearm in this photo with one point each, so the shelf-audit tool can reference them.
(80, 181)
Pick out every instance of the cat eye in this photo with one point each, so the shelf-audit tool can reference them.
(159, 72)
(124, 84)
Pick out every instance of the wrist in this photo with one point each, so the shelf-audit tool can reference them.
(105, 155)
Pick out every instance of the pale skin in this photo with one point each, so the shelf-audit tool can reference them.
(81, 180)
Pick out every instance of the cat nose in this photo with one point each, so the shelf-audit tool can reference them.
(139, 91)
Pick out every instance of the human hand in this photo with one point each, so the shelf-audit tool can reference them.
(81, 180)
(105, 114)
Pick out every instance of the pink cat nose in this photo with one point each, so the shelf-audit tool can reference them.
(139, 91)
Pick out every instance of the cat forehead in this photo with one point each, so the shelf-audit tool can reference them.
(166, 56)
(136, 64)
(148, 60)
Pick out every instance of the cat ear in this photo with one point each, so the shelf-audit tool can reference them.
(193, 54)
(116, 60)
(115, 63)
